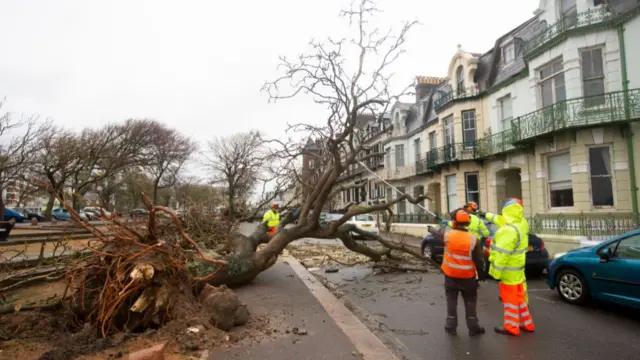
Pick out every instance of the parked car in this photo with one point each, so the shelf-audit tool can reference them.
(61, 214)
(609, 271)
(13, 215)
(96, 213)
(32, 214)
(139, 212)
(83, 215)
(365, 222)
(432, 246)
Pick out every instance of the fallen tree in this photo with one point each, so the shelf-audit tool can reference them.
(324, 74)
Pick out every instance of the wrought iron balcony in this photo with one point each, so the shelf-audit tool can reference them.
(562, 27)
(446, 99)
(497, 143)
(448, 154)
(608, 108)
(355, 170)
(592, 225)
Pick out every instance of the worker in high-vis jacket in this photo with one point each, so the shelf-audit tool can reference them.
(476, 225)
(272, 219)
(507, 260)
(462, 255)
(499, 221)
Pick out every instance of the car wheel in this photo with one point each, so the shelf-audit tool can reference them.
(572, 287)
(427, 251)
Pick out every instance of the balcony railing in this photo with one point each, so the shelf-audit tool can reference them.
(414, 219)
(583, 19)
(356, 170)
(587, 111)
(497, 143)
(397, 173)
(444, 100)
(590, 225)
(451, 153)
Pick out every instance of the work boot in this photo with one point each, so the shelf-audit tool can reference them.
(451, 325)
(477, 331)
(502, 331)
(474, 326)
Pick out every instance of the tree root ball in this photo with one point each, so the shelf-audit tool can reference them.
(224, 307)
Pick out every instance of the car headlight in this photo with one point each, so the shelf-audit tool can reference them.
(558, 255)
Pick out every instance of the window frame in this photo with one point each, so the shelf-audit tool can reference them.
(466, 187)
(548, 184)
(417, 149)
(460, 80)
(465, 143)
(572, 12)
(399, 155)
(454, 193)
(448, 127)
(433, 140)
(402, 203)
(552, 79)
(601, 78)
(501, 107)
(610, 176)
(505, 48)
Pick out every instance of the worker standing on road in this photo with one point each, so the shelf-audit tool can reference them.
(272, 219)
(476, 225)
(462, 255)
(507, 260)
(499, 221)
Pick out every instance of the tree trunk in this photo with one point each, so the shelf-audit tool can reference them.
(155, 191)
(50, 203)
(2, 206)
(231, 208)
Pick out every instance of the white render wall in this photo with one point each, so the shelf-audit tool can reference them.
(520, 103)
(632, 50)
(570, 52)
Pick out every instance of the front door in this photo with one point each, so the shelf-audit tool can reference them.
(617, 279)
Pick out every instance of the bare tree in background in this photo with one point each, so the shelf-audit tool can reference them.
(235, 162)
(18, 149)
(349, 77)
(168, 151)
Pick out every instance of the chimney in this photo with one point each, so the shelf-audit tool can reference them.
(424, 84)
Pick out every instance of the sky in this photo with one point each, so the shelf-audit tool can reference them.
(199, 65)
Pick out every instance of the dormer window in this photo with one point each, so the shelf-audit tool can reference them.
(460, 79)
(569, 12)
(508, 53)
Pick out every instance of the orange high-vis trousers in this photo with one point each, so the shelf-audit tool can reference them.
(272, 230)
(516, 309)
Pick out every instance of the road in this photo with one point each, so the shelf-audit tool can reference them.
(408, 313)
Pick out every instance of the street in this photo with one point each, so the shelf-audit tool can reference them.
(407, 311)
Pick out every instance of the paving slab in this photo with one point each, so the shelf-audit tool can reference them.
(280, 293)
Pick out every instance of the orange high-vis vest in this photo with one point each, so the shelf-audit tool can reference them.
(458, 254)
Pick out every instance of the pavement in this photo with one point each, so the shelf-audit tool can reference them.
(280, 293)
(407, 312)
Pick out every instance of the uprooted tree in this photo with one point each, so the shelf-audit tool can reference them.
(348, 90)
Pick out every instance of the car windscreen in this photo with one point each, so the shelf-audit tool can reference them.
(364, 218)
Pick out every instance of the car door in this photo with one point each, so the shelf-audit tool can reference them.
(619, 276)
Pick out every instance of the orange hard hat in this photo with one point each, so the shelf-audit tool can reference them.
(275, 206)
(471, 206)
(461, 217)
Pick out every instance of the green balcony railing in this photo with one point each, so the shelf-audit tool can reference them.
(414, 219)
(497, 143)
(590, 225)
(450, 153)
(601, 109)
(444, 100)
(583, 19)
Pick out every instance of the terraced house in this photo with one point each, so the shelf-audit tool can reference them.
(549, 114)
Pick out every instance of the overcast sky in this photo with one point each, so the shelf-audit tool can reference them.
(199, 64)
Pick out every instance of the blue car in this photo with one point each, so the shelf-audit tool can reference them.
(609, 271)
(12, 215)
(60, 214)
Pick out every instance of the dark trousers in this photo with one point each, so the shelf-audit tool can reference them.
(469, 290)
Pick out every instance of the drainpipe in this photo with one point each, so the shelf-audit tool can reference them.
(629, 132)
